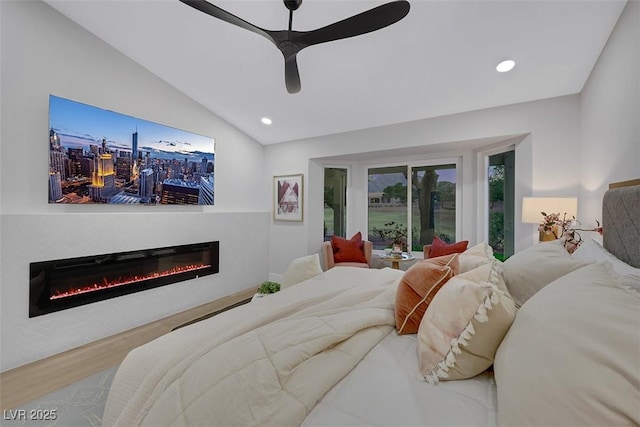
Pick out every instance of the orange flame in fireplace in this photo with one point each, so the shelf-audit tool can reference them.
(106, 284)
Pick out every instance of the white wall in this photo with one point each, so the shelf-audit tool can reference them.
(45, 53)
(610, 116)
(552, 127)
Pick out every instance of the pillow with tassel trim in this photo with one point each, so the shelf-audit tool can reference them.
(476, 256)
(465, 323)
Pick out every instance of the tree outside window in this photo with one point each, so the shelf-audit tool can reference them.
(430, 210)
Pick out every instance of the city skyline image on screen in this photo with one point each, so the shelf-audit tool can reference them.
(101, 156)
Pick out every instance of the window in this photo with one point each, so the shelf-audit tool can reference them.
(387, 212)
(501, 175)
(411, 204)
(335, 202)
(434, 204)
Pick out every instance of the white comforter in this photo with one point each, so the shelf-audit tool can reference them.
(265, 363)
(386, 390)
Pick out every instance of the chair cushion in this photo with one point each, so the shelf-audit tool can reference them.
(350, 250)
(352, 264)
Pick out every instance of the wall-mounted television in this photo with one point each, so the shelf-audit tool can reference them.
(97, 156)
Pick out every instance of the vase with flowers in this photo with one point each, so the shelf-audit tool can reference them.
(549, 227)
(395, 233)
(552, 227)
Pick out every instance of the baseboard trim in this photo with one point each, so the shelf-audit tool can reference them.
(34, 380)
(214, 313)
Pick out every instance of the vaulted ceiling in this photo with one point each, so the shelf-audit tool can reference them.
(440, 59)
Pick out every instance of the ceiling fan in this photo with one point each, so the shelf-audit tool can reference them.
(290, 42)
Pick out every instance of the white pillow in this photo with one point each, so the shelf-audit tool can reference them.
(591, 251)
(530, 270)
(301, 269)
(572, 355)
(476, 256)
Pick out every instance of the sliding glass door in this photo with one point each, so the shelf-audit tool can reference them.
(387, 216)
(412, 203)
(501, 176)
(335, 202)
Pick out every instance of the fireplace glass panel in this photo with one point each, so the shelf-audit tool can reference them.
(61, 284)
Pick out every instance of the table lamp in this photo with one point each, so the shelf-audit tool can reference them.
(532, 208)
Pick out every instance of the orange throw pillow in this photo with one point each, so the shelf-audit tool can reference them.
(440, 248)
(348, 250)
(418, 286)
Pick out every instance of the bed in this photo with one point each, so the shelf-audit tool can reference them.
(545, 338)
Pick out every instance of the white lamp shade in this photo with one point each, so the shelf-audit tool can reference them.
(533, 206)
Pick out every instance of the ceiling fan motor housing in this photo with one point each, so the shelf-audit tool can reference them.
(292, 4)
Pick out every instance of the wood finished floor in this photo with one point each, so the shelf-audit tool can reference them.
(34, 380)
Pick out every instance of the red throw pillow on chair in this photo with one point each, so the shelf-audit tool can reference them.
(348, 250)
(440, 248)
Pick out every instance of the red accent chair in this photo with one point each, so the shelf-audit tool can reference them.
(329, 262)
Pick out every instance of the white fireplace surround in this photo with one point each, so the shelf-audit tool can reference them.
(28, 238)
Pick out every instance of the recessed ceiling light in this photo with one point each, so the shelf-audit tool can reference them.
(266, 120)
(505, 66)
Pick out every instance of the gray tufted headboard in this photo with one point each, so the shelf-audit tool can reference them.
(621, 221)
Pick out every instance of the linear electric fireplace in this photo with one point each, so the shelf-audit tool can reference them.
(60, 284)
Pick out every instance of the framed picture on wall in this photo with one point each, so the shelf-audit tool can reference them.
(287, 197)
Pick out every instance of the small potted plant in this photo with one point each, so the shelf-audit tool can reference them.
(268, 287)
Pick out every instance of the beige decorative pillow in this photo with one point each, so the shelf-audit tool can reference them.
(476, 256)
(572, 355)
(301, 269)
(418, 286)
(532, 269)
(464, 325)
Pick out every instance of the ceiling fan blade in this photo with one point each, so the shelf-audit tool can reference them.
(216, 12)
(362, 23)
(291, 74)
